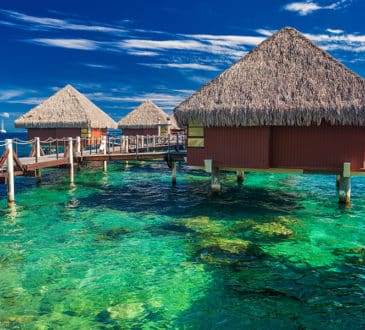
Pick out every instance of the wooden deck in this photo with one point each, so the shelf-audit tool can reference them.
(27, 166)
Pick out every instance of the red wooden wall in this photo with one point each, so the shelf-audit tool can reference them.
(311, 148)
(233, 147)
(59, 133)
(140, 131)
(318, 147)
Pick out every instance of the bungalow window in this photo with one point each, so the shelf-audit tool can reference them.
(196, 137)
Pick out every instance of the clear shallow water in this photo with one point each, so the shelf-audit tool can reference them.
(127, 250)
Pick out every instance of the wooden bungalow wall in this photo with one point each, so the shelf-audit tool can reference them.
(312, 148)
(59, 133)
(56, 133)
(140, 131)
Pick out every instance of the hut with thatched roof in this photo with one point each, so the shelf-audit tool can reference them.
(286, 105)
(67, 113)
(146, 119)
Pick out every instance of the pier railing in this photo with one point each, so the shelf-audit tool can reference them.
(58, 148)
(27, 158)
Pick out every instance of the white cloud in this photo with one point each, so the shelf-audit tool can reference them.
(164, 100)
(309, 6)
(80, 44)
(335, 31)
(6, 95)
(265, 32)
(28, 101)
(59, 24)
(142, 53)
(98, 66)
(183, 66)
(5, 115)
(227, 40)
(160, 44)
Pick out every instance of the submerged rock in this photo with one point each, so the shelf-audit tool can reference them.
(112, 234)
(227, 251)
(204, 225)
(270, 229)
(273, 229)
(126, 310)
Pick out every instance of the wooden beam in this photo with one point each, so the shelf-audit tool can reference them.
(50, 163)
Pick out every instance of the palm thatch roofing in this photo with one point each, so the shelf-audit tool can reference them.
(173, 122)
(67, 108)
(146, 115)
(285, 81)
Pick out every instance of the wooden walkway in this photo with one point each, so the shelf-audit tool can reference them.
(170, 152)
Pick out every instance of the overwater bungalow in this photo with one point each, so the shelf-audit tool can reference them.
(146, 119)
(286, 106)
(67, 113)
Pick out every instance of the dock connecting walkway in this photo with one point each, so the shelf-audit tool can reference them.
(52, 153)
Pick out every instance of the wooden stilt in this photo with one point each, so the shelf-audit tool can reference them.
(38, 149)
(126, 144)
(345, 184)
(338, 181)
(174, 173)
(240, 176)
(10, 170)
(38, 176)
(215, 182)
(105, 162)
(78, 144)
(71, 160)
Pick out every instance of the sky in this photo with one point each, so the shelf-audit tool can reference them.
(120, 53)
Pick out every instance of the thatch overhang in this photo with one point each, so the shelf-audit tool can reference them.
(173, 122)
(285, 81)
(146, 115)
(67, 108)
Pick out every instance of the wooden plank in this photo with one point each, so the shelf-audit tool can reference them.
(50, 163)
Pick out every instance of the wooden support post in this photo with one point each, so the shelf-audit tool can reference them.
(10, 170)
(154, 143)
(37, 149)
(168, 125)
(174, 173)
(137, 140)
(240, 176)
(38, 176)
(78, 144)
(105, 163)
(338, 176)
(71, 160)
(142, 141)
(215, 182)
(345, 184)
(127, 144)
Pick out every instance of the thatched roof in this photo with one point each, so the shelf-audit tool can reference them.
(173, 122)
(67, 108)
(146, 115)
(286, 80)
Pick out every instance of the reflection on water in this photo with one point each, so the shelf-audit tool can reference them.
(126, 249)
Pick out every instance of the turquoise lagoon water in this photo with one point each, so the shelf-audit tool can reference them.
(127, 250)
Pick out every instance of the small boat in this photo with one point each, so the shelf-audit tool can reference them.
(2, 130)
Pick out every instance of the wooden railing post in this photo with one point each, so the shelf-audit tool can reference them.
(105, 140)
(10, 170)
(78, 144)
(37, 149)
(137, 140)
(71, 160)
